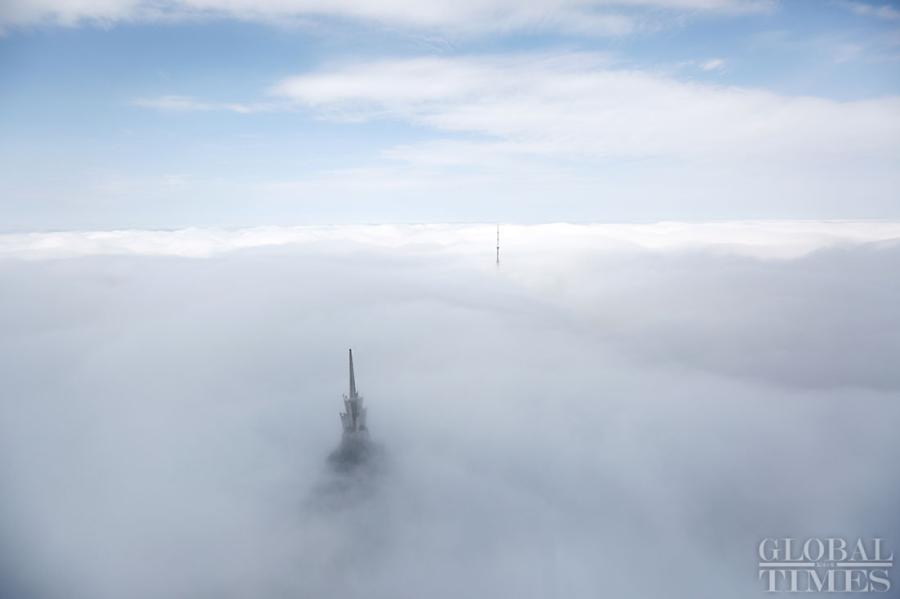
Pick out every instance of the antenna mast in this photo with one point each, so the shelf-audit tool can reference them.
(498, 245)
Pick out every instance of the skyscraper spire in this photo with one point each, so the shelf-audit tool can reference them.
(353, 418)
(356, 448)
(352, 377)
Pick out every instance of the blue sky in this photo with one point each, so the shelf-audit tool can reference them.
(212, 113)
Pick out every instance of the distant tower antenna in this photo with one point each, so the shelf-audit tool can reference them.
(498, 246)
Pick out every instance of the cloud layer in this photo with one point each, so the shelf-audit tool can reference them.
(597, 16)
(611, 398)
(757, 239)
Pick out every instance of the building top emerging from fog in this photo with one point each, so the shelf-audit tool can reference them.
(353, 418)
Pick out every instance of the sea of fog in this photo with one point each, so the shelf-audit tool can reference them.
(615, 411)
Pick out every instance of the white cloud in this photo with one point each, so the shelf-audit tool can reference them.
(26, 12)
(880, 11)
(597, 16)
(189, 104)
(710, 64)
(539, 137)
(576, 105)
(713, 64)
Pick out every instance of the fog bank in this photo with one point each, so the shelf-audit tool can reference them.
(618, 410)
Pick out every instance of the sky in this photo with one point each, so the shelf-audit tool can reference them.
(168, 114)
(619, 410)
